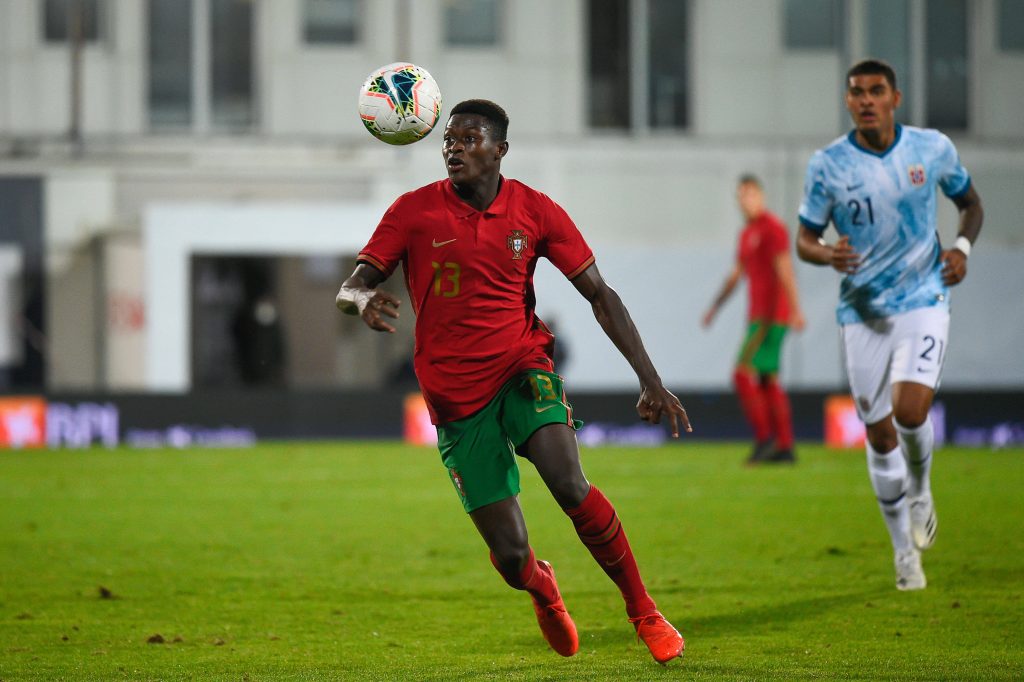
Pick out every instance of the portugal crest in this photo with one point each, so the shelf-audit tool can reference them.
(457, 480)
(916, 173)
(517, 243)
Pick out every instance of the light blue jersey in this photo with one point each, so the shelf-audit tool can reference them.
(886, 204)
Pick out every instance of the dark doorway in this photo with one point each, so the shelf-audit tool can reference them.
(238, 335)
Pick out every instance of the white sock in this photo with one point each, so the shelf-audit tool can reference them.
(888, 473)
(917, 445)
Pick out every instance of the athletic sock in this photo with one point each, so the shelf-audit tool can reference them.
(917, 445)
(531, 578)
(753, 403)
(598, 527)
(781, 414)
(888, 472)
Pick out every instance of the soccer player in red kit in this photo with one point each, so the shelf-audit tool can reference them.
(469, 246)
(774, 306)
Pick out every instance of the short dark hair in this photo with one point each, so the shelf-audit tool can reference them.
(750, 179)
(871, 67)
(490, 111)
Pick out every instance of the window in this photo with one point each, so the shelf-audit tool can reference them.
(331, 21)
(667, 59)
(638, 63)
(58, 17)
(812, 24)
(888, 28)
(471, 23)
(170, 63)
(231, 72)
(201, 75)
(926, 42)
(607, 89)
(946, 44)
(1011, 25)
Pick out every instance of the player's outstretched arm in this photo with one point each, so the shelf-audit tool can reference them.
(655, 400)
(728, 286)
(359, 296)
(954, 260)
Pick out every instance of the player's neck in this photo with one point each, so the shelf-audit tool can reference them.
(876, 140)
(479, 195)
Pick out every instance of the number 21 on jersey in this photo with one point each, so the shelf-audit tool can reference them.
(856, 209)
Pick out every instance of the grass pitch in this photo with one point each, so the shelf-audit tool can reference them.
(355, 561)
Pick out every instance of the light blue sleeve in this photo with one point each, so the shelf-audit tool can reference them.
(953, 177)
(816, 207)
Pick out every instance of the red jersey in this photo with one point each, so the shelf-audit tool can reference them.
(761, 240)
(469, 275)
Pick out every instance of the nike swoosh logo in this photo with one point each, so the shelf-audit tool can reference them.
(923, 369)
(545, 409)
(850, 188)
(437, 243)
(612, 563)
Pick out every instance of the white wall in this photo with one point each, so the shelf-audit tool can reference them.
(124, 318)
(173, 232)
(11, 300)
(78, 205)
(311, 89)
(745, 83)
(658, 208)
(997, 79)
(663, 222)
(35, 76)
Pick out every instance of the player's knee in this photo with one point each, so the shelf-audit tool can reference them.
(882, 436)
(510, 557)
(910, 417)
(743, 373)
(571, 491)
(883, 443)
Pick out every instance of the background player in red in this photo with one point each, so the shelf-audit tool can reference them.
(774, 306)
(469, 246)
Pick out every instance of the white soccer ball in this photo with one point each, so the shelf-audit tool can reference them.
(400, 103)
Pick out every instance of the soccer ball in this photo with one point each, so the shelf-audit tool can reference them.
(400, 103)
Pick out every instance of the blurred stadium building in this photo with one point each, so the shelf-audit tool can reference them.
(185, 183)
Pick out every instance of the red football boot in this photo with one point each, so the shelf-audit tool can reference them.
(661, 638)
(555, 623)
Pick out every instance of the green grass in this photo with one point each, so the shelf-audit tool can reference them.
(355, 561)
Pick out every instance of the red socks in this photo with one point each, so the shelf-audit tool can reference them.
(781, 415)
(599, 528)
(766, 407)
(754, 405)
(533, 579)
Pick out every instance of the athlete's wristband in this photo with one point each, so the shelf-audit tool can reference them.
(963, 244)
(349, 298)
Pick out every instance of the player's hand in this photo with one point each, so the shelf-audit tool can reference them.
(709, 316)
(797, 321)
(844, 258)
(954, 266)
(380, 305)
(655, 402)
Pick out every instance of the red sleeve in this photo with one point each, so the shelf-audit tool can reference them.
(387, 245)
(564, 246)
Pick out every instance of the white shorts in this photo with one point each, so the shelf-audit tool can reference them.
(910, 346)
